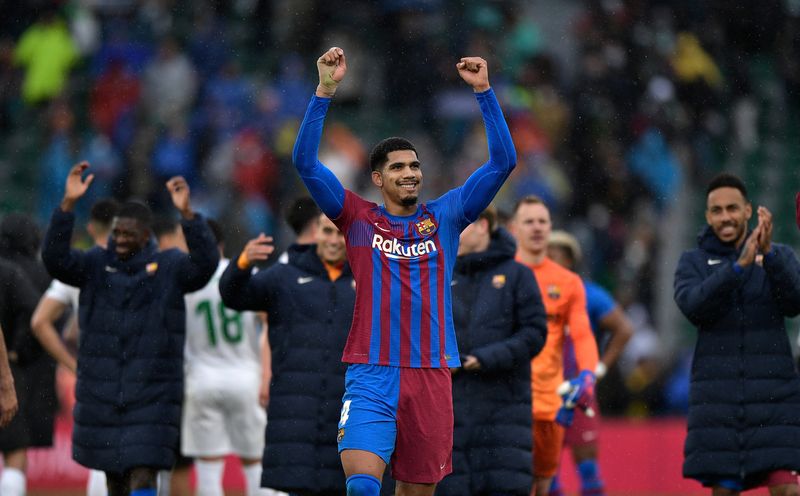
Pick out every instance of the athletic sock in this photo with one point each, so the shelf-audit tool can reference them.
(591, 483)
(363, 485)
(164, 481)
(252, 476)
(555, 487)
(12, 482)
(209, 477)
(97, 485)
(145, 492)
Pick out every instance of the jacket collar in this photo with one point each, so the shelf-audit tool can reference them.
(307, 260)
(137, 262)
(502, 247)
(708, 241)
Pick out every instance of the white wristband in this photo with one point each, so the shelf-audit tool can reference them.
(600, 370)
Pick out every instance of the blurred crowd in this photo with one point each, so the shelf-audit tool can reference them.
(614, 106)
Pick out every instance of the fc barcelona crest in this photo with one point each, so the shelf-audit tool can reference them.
(554, 292)
(498, 281)
(426, 226)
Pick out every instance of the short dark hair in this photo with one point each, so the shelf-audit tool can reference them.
(136, 210)
(164, 224)
(103, 211)
(381, 151)
(727, 180)
(302, 212)
(216, 230)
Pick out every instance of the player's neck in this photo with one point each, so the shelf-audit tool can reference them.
(398, 209)
(531, 258)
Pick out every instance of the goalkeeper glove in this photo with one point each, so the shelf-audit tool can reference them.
(576, 392)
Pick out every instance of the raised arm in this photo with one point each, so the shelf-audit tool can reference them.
(240, 290)
(199, 265)
(323, 185)
(481, 187)
(62, 262)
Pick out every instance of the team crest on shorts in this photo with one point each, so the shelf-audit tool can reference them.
(426, 226)
(340, 435)
(498, 281)
(553, 292)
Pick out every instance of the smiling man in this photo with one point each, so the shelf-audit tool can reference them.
(737, 287)
(310, 302)
(132, 319)
(398, 405)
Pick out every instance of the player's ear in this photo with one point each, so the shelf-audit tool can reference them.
(377, 179)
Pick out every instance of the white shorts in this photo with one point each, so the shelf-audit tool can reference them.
(221, 421)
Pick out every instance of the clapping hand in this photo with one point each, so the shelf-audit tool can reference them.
(256, 250)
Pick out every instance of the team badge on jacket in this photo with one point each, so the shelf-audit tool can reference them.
(151, 268)
(498, 281)
(426, 226)
(553, 292)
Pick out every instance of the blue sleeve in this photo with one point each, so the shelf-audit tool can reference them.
(323, 185)
(599, 303)
(479, 189)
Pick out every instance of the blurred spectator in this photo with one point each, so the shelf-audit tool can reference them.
(114, 93)
(169, 84)
(47, 53)
(57, 158)
(227, 101)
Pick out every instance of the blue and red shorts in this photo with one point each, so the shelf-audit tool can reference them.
(584, 429)
(404, 415)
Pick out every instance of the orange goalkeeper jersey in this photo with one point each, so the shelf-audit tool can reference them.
(564, 300)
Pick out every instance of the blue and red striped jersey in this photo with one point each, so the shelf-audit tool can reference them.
(403, 267)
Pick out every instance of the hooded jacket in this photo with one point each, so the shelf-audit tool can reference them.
(131, 314)
(309, 319)
(500, 319)
(744, 407)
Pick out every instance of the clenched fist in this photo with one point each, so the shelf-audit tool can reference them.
(332, 67)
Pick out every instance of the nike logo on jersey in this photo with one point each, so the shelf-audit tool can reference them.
(110, 269)
(381, 228)
(396, 250)
(304, 280)
(714, 261)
